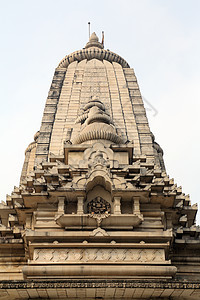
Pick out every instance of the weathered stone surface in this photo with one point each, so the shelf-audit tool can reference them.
(95, 209)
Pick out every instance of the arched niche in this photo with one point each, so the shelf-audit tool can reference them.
(98, 192)
(98, 178)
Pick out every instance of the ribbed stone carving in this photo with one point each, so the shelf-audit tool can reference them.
(96, 124)
(93, 52)
(98, 131)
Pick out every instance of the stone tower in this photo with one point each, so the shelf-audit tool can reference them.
(95, 215)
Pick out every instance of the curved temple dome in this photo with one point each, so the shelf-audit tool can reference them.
(93, 49)
(95, 214)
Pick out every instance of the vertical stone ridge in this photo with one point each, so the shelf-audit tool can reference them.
(145, 139)
(49, 116)
(74, 104)
(127, 109)
(115, 68)
(62, 110)
(25, 165)
(108, 67)
(117, 113)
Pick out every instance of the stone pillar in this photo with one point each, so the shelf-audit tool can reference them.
(80, 202)
(136, 205)
(29, 221)
(61, 205)
(117, 205)
(168, 217)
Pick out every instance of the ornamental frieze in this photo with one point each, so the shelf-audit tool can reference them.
(99, 254)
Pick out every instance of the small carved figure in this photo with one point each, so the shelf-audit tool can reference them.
(99, 206)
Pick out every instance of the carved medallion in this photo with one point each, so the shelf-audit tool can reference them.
(99, 206)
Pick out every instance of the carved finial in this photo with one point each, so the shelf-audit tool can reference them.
(93, 38)
(94, 41)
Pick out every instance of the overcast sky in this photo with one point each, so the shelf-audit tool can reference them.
(159, 39)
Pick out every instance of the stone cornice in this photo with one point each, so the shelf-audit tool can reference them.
(102, 283)
(91, 53)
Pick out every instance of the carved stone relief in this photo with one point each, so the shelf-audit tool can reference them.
(99, 206)
(99, 254)
(96, 124)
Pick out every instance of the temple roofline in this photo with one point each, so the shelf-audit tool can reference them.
(90, 53)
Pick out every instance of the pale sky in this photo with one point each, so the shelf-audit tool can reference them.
(159, 39)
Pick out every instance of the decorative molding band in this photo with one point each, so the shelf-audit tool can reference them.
(91, 53)
(100, 255)
(98, 283)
